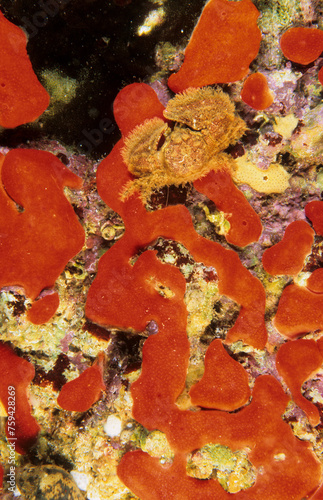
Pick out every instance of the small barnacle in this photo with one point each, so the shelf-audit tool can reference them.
(158, 155)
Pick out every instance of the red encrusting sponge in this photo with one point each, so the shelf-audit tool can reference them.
(22, 98)
(245, 225)
(39, 228)
(287, 256)
(81, 393)
(315, 281)
(16, 375)
(314, 212)
(299, 311)
(297, 362)
(256, 92)
(222, 46)
(224, 385)
(43, 309)
(302, 45)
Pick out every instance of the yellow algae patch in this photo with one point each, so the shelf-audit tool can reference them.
(218, 220)
(285, 125)
(273, 180)
(309, 142)
(156, 445)
(61, 87)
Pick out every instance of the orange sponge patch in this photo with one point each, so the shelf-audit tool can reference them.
(287, 256)
(315, 281)
(297, 362)
(40, 231)
(302, 45)
(137, 96)
(299, 311)
(22, 97)
(81, 393)
(223, 44)
(224, 385)
(256, 92)
(43, 309)
(297, 474)
(314, 212)
(245, 225)
(16, 375)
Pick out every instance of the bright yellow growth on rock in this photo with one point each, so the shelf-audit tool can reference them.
(218, 219)
(285, 125)
(273, 180)
(156, 445)
(205, 125)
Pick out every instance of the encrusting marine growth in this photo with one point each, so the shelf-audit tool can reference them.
(39, 228)
(165, 354)
(184, 142)
(22, 97)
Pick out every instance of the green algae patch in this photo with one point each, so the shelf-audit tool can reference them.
(62, 88)
(232, 468)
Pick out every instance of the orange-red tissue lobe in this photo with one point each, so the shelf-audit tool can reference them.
(224, 385)
(287, 256)
(256, 92)
(16, 375)
(43, 309)
(299, 311)
(297, 362)
(245, 225)
(141, 98)
(40, 231)
(222, 46)
(302, 45)
(314, 212)
(81, 393)
(22, 97)
(315, 281)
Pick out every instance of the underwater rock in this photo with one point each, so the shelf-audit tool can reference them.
(47, 482)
